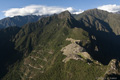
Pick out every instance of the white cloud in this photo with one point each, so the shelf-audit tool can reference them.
(110, 8)
(78, 12)
(38, 10)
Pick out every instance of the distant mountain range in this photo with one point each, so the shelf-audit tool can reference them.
(18, 20)
(118, 12)
(22, 20)
(61, 47)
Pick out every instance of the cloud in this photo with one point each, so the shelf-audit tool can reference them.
(77, 12)
(38, 10)
(110, 8)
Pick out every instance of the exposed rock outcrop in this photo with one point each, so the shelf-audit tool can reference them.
(113, 70)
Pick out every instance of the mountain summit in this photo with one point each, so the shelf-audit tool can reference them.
(65, 14)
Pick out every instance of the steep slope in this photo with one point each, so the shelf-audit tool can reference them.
(103, 27)
(111, 19)
(8, 55)
(18, 20)
(41, 45)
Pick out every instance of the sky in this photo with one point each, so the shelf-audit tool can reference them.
(10, 8)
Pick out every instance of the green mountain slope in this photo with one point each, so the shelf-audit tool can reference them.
(41, 43)
(63, 47)
(109, 18)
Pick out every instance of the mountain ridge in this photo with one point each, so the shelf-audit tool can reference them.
(18, 20)
(40, 44)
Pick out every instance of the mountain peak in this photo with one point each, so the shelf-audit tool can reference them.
(94, 11)
(97, 13)
(65, 14)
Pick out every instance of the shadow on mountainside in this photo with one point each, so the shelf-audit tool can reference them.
(107, 42)
(8, 55)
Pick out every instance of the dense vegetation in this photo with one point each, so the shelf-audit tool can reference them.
(36, 47)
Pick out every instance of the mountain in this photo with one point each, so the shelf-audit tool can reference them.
(118, 12)
(18, 20)
(63, 47)
(109, 18)
(104, 27)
